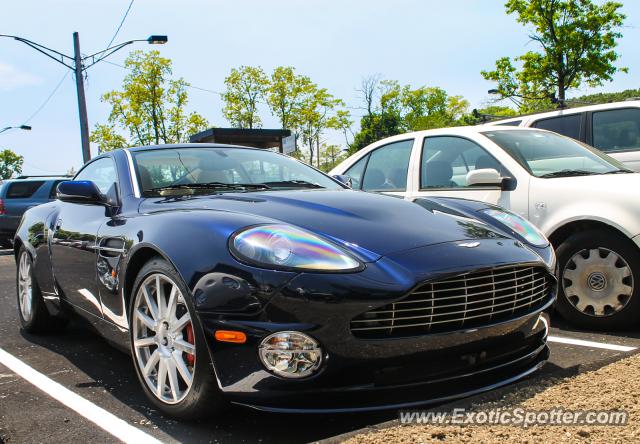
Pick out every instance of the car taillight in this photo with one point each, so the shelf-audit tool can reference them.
(2, 210)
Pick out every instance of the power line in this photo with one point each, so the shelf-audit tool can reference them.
(49, 97)
(126, 13)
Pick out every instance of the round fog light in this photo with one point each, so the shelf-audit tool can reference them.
(290, 354)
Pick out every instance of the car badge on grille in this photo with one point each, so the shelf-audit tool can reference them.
(469, 244)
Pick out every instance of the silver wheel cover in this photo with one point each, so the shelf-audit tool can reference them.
(164, 348)
(25, 287)
(598, 282)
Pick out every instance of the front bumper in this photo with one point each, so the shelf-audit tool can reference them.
(412, 395)
(370, 374)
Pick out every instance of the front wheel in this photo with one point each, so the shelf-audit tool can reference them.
(599, 280)
(168, 348)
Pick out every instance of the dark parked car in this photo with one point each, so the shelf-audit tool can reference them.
(241, 275)
(17, 196)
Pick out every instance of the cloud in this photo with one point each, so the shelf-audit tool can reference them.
(12, 78)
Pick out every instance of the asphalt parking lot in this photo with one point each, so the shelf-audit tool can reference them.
(87, 366)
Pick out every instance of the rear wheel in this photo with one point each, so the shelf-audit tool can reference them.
(599, 280)
(169, 350)
(34, 316)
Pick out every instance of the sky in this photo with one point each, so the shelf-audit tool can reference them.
(335, 42)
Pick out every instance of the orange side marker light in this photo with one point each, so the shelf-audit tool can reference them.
(231, 336)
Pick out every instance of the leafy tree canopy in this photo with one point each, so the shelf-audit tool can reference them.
(150, 108)
(245, 88)
(577, 41)
(10, 164)
(393, 109)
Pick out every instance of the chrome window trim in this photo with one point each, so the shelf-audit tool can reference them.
(132, 174)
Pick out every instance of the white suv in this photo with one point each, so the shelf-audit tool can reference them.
(584, 201)
(613, 128)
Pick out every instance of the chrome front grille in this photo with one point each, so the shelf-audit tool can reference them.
(464, 301)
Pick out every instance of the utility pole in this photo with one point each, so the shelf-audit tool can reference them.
(78, 65)
(82, 102)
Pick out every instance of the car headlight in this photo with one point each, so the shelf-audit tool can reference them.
(290, 354)
(287, 248)
(519, 225)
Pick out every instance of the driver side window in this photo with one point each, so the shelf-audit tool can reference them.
(446, 160)
(384, 169)
(102, 172)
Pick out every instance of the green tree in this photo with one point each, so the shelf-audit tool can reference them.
(382, 100)
(108, 138)
(374, 128)
(577, 40)
(342, 121)
(427, 108)
(316, 111)
(330, 156)
(285, 95)
(246, 88)
(627, 94)
(10, 164)
(150, 108)
(395, 109)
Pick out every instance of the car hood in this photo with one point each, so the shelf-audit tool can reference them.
(373, 223)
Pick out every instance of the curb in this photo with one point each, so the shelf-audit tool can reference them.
(493, 395)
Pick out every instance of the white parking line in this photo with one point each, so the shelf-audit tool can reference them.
(592, 344)
(99, 416)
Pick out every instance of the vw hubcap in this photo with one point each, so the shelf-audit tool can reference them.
(163, 339)
(25, 288)
(598, 282)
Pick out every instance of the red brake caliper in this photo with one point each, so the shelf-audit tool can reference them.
(191, 340)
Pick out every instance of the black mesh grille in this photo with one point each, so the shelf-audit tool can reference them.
(464, 301)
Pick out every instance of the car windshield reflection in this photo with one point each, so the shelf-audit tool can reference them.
(545, 154)
(183, 171)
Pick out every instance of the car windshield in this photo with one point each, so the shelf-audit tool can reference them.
(546, 154)
(176, 171)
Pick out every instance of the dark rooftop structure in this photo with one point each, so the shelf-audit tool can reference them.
(257, 138)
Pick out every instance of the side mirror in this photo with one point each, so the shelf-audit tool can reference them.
(484, 176)
(80, 191)
(343, 179)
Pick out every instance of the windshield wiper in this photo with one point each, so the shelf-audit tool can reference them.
(569, 173)
(293, 184)
(210, 186)
(622, 171)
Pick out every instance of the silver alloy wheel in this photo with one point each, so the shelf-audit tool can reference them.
(25, 287)
(163, 338)
(598, 282)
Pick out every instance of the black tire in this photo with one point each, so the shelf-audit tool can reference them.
(39, 320)
(626, 317)
(204, 398)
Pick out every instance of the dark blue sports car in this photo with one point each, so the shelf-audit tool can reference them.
(241, 275)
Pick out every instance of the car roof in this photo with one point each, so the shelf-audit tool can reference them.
(459, 131)
(191, 145)
(567, 111)
(36, 179)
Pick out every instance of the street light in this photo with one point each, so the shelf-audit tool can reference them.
(78, 64)
(157, 39)
(22, 127)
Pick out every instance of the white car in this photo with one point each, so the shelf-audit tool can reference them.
(613, 128)
(585, 202)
